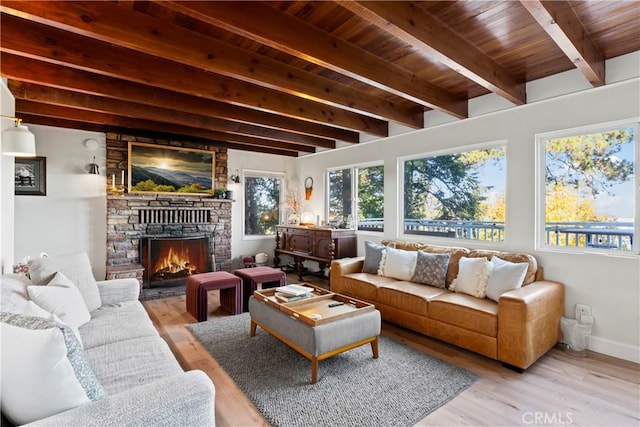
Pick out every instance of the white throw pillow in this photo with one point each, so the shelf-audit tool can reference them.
(44, 371)
(398, 264)
(76, 267)
(33, 309)
(505, 276)
(62, 298)
(473, 274)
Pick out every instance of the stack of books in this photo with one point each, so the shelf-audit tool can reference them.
(291, 293)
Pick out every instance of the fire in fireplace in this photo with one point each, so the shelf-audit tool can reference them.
(169, 261)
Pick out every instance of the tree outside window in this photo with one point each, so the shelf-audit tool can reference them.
(459, 195)
(589, 189)
(262, 201)
(368, 203)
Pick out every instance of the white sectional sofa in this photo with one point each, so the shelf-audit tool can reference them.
(141, 382)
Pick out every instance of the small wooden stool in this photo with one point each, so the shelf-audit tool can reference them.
(198, 286)
(251, 277)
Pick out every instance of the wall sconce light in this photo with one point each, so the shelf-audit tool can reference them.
(93, 167)
(18, 141)
(235, 177)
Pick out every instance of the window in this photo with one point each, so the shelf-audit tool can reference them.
(586, 195)
(262, 200)
(459, 195)
(369, 200)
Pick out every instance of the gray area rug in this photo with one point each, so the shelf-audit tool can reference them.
(399, 388)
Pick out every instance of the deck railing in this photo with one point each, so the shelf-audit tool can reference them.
(605, 235)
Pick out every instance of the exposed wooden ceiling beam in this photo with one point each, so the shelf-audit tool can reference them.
(31, 92)
(560, 21)
(39, 41)
(101, 21)
(409, 22)
(52, 75)
(264, 24)
(37, 113)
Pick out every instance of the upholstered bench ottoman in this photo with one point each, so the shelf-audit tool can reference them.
(321, 341)
(251, 277)
(198, 286)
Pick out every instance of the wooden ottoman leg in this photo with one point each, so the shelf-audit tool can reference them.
(252, 330)
(374, 347)
(314, 370)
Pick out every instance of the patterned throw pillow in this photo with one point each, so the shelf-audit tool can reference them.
(44, 370)
(431, 269)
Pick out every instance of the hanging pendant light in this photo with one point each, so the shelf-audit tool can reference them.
(18, 141)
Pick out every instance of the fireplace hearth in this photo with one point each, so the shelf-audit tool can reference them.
(168, 261)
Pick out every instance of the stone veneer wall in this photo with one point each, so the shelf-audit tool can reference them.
(125, 227)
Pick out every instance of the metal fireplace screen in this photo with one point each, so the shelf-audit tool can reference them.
(170, 260)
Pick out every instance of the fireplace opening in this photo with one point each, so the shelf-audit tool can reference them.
(168, 261)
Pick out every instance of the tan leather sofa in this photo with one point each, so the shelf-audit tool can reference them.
(517, 330)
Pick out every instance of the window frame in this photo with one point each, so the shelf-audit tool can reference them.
(449, 151)
(354, 191)
(540, 187)
(254, 173)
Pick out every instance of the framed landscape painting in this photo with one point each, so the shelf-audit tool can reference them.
(161, 169)
(30, 176)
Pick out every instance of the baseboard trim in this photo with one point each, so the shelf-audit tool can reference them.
(615, 349)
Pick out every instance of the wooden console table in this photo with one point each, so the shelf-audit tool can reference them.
(322, 245)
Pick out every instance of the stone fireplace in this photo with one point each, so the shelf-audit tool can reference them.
(134, 220)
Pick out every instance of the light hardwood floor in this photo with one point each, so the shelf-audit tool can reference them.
(559, 389)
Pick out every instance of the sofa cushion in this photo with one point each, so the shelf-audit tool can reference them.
(111, 324)
(372, 256)
(408, 296)
(514, 257)
(363, 285)
(455, 253)
(431, 269)
(505, 276)
(62, 298)
(76, 267)
(473, 275)
(474, 314)
(44, 370)
(398, 264)
(127, 364)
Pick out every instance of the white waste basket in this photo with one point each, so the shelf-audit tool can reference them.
(575, 335)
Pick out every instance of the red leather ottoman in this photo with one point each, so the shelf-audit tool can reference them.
(251, 277)
(198, 286)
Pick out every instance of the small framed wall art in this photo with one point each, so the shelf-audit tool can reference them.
(30, 177)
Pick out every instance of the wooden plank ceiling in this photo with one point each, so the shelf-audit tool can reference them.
(292, 77)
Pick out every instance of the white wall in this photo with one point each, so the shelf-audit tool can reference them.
(72, 216)
(243, 160)
(7, 108)
(611, 285)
